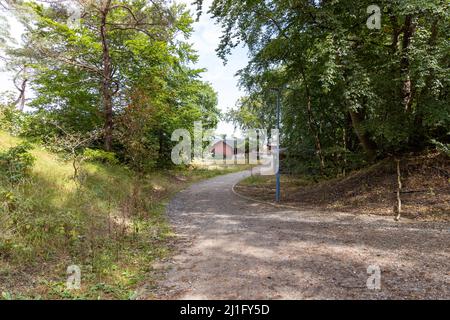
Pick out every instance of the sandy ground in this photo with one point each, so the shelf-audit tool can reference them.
(231, 248)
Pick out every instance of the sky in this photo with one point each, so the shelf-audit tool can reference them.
(205, 40)
(5, 78)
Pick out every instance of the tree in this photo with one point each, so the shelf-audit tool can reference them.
(92, 47)
(350, 87)
(16, 64)
(124, 67)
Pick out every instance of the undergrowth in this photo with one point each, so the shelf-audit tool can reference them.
(112, 225)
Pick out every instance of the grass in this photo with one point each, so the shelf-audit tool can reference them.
(111, 224)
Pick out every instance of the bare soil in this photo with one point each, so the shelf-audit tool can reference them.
(425, 193)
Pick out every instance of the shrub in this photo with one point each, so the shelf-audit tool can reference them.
(10, 119)
(442, 147)
(35, 126)
(100, 156)
(16, 162)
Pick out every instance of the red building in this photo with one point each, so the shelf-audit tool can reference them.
(223, 148)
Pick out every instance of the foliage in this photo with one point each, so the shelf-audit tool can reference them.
(35, 126)
(100, 156)
(442, 147)
(11, 120)
(16, 162)
(369, 93)
(132, 81)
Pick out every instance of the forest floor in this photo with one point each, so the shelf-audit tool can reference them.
(228, 247)
(425, 189)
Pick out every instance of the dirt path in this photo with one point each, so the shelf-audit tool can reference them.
(231, 248)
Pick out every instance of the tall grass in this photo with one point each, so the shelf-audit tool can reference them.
(111, 224)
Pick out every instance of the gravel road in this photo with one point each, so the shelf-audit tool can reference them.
(232, 248)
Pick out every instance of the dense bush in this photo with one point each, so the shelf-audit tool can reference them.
(10, 119)
(16, 162)
(35, 126)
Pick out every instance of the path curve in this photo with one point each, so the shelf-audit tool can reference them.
(232, 248)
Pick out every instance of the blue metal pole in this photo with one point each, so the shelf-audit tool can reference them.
(278, 191)
(278, 188)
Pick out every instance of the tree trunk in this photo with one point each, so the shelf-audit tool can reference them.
(107, 80)
(408, 32)
(398, 206)
(424, 93)
(344, 144)
(432, 47)
(20, 102)
(396, 31)
(312, 128)
(315, 132)
(368, 145)
(161, 144)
